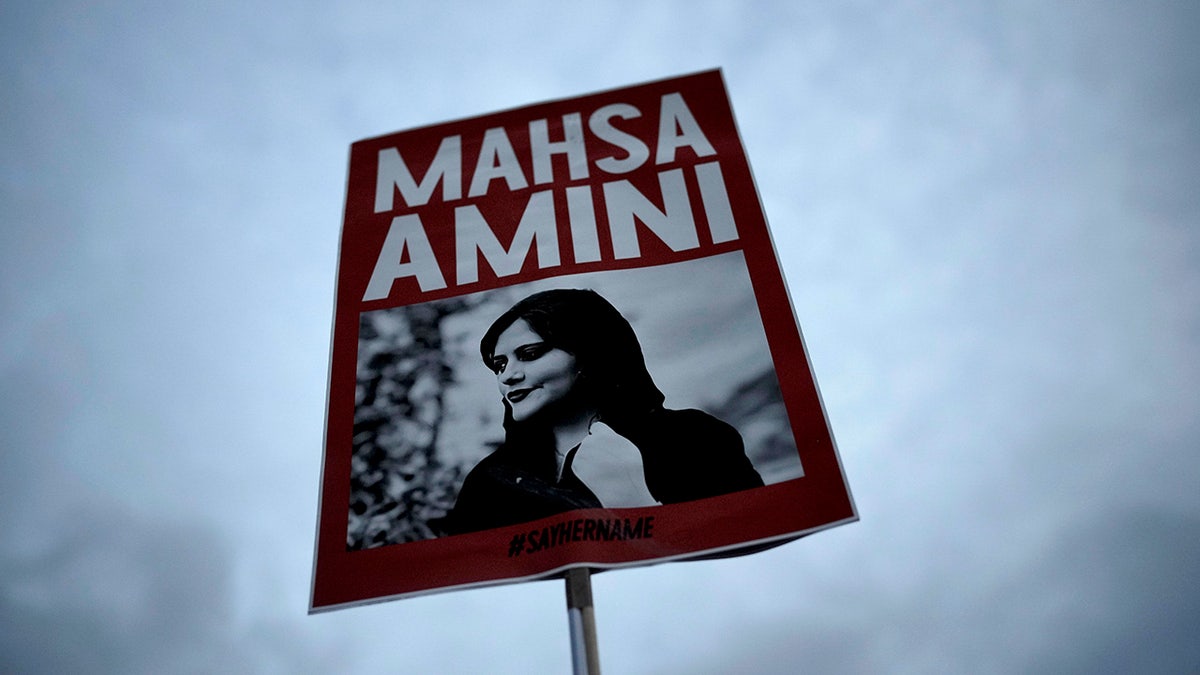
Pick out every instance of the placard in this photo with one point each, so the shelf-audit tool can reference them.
(562, 339)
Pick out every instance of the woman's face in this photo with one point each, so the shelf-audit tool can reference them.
(532, 374)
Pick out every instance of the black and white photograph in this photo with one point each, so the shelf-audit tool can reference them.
(602, 390)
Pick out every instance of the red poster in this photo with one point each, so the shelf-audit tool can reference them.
(562, 339)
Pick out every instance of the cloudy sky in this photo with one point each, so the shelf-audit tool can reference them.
(987, 212)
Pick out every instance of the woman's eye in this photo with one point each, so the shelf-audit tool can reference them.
(531, 352)
(498, 365)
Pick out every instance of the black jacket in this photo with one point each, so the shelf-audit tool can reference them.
(686, 455)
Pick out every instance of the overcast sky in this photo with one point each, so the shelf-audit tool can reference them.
(987, 213)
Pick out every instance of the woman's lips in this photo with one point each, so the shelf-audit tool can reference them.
(516, 395)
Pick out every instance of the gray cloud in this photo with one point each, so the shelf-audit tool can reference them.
(109, 592)
(1108, 593)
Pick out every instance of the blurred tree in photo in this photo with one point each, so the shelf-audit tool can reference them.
(397, 483)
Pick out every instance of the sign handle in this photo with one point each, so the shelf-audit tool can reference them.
(585, 655)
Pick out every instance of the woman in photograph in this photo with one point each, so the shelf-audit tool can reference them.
(565, 360)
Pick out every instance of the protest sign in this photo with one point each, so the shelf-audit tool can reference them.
(562, 339)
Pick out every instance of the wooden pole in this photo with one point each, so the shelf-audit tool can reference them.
(585, 655)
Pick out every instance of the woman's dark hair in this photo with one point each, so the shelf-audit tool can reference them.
(606, 349)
